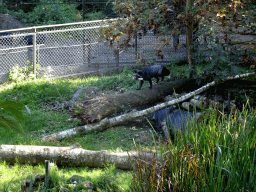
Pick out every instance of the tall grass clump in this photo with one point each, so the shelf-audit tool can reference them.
(217, 154)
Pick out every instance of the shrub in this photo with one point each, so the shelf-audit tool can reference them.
(18, 74)
(49, 14)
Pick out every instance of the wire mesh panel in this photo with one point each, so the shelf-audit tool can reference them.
(72, 49)
(14, 50)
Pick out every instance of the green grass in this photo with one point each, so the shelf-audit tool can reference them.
(217, 154)
(45, 119)
(107, 179)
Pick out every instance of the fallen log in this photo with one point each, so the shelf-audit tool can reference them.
(110, 122)
(68, 156)
(100, 108)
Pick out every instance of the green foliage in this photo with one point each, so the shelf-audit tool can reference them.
(201, 146)
(127, 71)
(54, 176)
(142, 16)
(215, 59)
(118, 82)
(107, 181)
(18, 74)
(94, 16)
(3, 9)
(10, 113)
(108, 178)
(45, 14)
(215, 46)
(218, 153)
(48, 14)
(218, 40)
(45, 97)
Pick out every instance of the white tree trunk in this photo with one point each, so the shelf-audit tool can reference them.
(109, 122)
(68, 156)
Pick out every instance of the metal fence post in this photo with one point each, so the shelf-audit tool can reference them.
(34, 51)
(84, 41)
(47, 173)
(89, 50)
(117, 57)
(136, 48)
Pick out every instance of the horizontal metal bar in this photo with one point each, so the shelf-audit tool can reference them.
(37, 3)
(57, 25)
(8, 53)
(75, 29)
(68, 46)
(13, 48)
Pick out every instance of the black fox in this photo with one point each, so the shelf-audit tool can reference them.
(155, 71)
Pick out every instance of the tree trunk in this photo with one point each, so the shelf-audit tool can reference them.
(68, 156)
(105, 123)
(103, 107)
(189, 28)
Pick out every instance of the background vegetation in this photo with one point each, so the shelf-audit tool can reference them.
(45, 12)
(213, 29)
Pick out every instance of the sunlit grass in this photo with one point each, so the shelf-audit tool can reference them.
(44, 120)
(105, 179)
(216, 154)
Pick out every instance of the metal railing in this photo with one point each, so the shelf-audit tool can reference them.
(74, 49)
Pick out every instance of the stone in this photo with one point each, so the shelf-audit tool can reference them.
(64, 190)
(25, 185)
(76, 179)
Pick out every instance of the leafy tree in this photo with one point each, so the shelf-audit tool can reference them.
(211, 27)
(218, 45)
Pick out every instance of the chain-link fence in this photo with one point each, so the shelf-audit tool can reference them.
(74, 49)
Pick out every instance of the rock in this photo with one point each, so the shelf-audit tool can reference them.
(64, 190)
(187, 105)
(199, 101)
(38, 180)
(25, 185)
(9, 22)
(76, 179)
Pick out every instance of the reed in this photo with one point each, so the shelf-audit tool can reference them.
(217, 154)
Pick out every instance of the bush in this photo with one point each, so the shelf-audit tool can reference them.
(48, 14)
(18, 74)
(215, 59)
(3, 9)
(94, 16)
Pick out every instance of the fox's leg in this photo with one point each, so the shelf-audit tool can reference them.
(150, 82)
(141, 83)
(157, 80)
